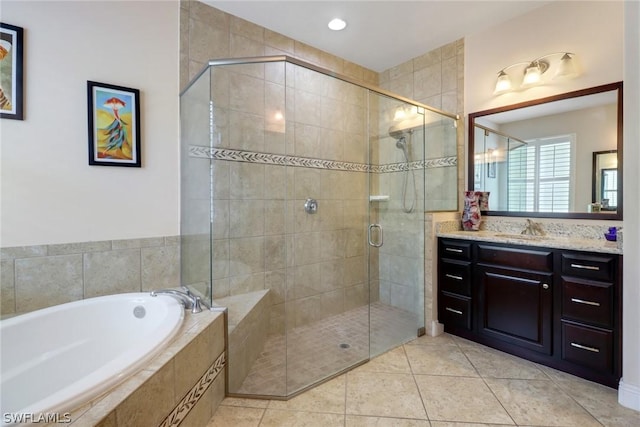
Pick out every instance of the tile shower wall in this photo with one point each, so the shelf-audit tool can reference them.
(262, 238)
(435, 79)
(35, 277)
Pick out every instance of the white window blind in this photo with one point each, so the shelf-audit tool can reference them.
(539, 175)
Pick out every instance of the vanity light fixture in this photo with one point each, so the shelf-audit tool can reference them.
(337, 24)
(533, 71)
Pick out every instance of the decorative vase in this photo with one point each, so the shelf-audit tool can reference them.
(471, 211)
(483, 200)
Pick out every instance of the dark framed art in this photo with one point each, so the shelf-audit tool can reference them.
(114, 125)
(11, 71)
(491, 166)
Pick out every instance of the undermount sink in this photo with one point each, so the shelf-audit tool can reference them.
(521, 236)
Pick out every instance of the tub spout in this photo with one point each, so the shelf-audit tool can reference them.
(190, 301)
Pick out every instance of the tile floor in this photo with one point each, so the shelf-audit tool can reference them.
(311, 352)
(440, 381)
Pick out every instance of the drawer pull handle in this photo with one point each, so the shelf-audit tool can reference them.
(451, 276)
(586, 267)
(584, 347)
(545, 286)
(458, 251)
(581, 301)
(453, 311)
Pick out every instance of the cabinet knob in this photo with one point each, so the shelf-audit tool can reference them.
(545, 286)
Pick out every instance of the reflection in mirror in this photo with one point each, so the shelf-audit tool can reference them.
(538, 158)
(604, 191)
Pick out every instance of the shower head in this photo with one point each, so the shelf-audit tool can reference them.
(401, 143)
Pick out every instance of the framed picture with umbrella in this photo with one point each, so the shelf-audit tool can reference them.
(114, 125)
(11, 77)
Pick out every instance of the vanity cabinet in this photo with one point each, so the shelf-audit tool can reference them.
(555, 307)
(589, 327)
(515, 296)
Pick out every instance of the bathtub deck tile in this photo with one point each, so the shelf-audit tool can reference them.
(150, 403)
(191, 362)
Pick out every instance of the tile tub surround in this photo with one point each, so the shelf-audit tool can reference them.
(40, 276)
(184, 383)
(248, 320)
(561, 235)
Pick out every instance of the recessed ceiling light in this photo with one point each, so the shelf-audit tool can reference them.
(337, 24)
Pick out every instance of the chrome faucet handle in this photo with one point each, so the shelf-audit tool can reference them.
(197, 307)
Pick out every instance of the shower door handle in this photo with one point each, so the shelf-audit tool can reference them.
(379, 227)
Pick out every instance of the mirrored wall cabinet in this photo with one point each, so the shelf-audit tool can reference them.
(555, 157)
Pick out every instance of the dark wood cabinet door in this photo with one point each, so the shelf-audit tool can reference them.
(516, 307)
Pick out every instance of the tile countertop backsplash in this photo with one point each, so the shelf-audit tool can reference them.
(561, 235)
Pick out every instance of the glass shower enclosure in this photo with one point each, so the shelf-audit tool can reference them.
(302, 211)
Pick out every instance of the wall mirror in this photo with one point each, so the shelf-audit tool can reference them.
(555, 157)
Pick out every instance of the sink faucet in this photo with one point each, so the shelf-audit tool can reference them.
(188, 300)
(533, 228)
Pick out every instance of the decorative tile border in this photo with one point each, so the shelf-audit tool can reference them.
(307, 162)
(183, 408)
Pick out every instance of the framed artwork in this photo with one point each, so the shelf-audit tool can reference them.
(491, 168)
(11, 72)
(114, 125)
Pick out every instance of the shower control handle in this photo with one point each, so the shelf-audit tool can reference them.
(379, 227)
(311, 206)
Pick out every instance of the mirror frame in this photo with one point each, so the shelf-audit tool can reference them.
(573, 215)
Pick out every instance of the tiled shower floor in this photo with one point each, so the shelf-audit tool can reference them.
(316, 351)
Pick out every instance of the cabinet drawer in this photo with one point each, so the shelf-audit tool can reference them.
(587, 301)
(593, 267)
(455, 277)
(590, 347)
(455, 311)
(455, 249)
(541, 260)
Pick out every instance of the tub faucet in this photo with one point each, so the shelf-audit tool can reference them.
(533, 228)
(190, 301)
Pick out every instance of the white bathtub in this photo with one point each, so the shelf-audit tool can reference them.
(58, 358)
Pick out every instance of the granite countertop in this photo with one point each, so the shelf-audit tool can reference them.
(560, 236)
(548, 241)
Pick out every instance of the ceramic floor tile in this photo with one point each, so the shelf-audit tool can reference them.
(328, 397)
(393, 361)
(383, 395)
(361, 421)
(442, 339)
(281, 418)
(460, 399)
(245, 403)
(600, 401)
(539, 402)
(492, 363)
(436, 360)
(226, 416)
(450, 424)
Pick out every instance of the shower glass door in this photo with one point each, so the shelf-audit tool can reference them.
(327, 315)
(396, 222)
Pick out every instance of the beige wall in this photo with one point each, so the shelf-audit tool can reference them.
(50, 195)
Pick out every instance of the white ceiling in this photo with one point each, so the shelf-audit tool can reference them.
(380, 34)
